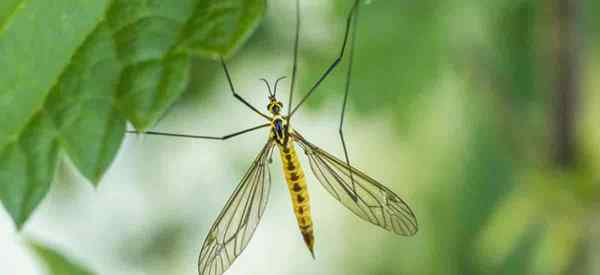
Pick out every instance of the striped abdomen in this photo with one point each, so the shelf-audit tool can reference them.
(294, 175)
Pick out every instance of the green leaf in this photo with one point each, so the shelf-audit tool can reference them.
(221, 35)
(56, 263)
(80, 69)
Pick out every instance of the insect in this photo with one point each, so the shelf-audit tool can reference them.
(364, 196)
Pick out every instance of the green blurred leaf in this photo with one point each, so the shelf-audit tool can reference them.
(56, 263)
(487, 178)
(398, 52)
(523, 254)
(514, 54)
(80, 69)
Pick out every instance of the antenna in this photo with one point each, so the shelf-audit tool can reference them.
(269, 86)
(277, 83)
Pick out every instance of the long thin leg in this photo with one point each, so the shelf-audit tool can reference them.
(201, 137)
(347, 92)
(295, 66)
(335, 63)
(238, 97)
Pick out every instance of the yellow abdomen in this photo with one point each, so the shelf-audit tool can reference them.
(294, 176)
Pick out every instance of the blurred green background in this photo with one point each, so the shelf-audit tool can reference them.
(454, 105)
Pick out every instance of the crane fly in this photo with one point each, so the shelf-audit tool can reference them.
(361, 194)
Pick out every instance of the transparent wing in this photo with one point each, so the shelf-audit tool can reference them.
(237, 222)
(365, 197)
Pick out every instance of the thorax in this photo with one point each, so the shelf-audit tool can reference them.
(280, 130)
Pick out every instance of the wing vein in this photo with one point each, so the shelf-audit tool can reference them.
(370, 200)
(237, 222)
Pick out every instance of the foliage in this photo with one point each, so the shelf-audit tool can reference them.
(500, 54)
(56, 263)
(466, 86)
(76, 71)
